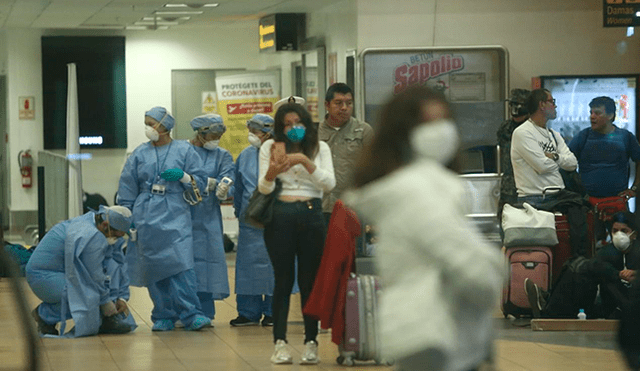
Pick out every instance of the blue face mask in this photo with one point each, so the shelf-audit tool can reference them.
(296, 133)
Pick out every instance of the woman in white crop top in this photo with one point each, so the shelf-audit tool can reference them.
(297, 229)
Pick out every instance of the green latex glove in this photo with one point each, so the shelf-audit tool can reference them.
(172, 175)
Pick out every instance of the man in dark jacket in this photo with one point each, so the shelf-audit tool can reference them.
(614, 269)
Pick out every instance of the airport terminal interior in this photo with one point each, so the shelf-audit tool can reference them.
(223, 347)
(473, 51)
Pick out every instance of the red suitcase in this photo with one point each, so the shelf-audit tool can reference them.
(562, 251)
(534, 263)
(361, 341)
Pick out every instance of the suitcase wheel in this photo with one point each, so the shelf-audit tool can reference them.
(342, 360)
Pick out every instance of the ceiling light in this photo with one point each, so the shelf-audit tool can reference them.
(102, 26)
(146, 23)
(194, 6)
(180, 13)
(136, 28)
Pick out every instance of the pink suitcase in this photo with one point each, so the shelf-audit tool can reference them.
(361, 341)
(534, 263)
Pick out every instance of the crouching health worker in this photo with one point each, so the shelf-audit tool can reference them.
(78, 271)
(208, 244)
(304, 166)
(441, 281)
(152, 184)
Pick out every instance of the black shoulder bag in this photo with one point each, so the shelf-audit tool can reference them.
(259, 210)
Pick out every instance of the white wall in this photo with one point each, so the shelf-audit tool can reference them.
(24, 79)
(544, 37)
(150, 57)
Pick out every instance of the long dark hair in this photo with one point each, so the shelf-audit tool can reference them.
(309, 143)
(390, 148)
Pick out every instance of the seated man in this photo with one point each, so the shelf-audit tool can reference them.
(613, 269)
(78, 272)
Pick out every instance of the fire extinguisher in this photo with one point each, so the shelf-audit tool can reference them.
(25, 161)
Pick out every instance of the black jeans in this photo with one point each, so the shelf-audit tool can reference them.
(297, 229)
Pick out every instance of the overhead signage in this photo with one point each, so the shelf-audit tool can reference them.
(621, 13)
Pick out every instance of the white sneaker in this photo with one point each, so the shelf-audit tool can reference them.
(310, 354)
(281, 354)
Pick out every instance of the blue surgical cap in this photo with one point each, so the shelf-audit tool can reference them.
(261, 122)
(210, 123)
(118, 217)
(163, 116)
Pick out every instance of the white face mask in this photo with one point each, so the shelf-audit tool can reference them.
(621, 241)
(437, 140)
(112, 240)
(254, 140)
(211, 145)
(151, 133)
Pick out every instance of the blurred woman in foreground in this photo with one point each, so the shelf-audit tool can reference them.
(440, 280)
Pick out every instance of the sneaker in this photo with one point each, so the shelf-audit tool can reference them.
(113, 325)
(533, 295)
(310, 354)
(281, 354)
(267, 321)
(43, 327)
(199, 323)
(243, 321)
(162, 325)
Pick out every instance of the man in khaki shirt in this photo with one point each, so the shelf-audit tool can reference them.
(345, 135)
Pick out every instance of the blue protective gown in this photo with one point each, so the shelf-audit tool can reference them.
(254, 273)
(164, 246)
(208, 243)
(70, 271)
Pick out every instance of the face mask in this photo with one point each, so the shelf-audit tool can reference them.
(621, 241)
(112, 240)
(151, 133)
(211, 145)
(296, 133)
(437, 140)
(254, 140)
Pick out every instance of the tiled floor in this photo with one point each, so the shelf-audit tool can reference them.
(249, 348)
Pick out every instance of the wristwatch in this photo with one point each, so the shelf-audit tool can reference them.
(556, 157)
(634, 188)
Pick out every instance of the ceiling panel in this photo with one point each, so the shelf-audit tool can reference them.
(70, 14)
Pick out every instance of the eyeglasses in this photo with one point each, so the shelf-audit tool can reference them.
(552, 100)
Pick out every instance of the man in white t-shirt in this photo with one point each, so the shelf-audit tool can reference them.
(537, 152)
(537, 155)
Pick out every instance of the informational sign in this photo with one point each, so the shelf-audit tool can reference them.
(312, 92)
(620, 13)
(27, 108)
(239, 98)
(209, 102)
(472, 79)
(332, 67)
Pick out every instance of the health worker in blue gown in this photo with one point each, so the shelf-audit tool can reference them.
(208, 245)
(79, 272)
(153, 184)
(254, 273)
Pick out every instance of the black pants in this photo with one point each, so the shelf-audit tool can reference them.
(297, 229)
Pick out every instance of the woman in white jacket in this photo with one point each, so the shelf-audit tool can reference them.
(441, 282)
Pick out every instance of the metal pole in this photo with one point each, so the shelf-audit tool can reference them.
(41, 215)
